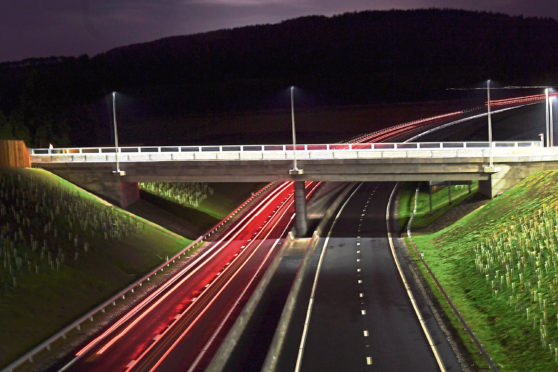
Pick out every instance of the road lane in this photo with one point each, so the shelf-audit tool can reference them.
(126, 341)
(176, 352)
(374, 326)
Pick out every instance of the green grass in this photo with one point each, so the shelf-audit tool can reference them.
(44, 302)
(216, 200)
(512, 340)
(440, 202)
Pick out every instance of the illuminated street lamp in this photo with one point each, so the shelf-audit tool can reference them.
(118, 171)
(489, 123)
(295, 169)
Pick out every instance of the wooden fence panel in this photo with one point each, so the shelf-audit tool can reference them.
(14, 154)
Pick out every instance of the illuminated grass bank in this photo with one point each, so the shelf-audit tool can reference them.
(498, 265)
(63, 251)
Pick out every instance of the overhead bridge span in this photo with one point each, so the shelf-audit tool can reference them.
(115, 173)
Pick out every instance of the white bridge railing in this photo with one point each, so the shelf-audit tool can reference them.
(285, 152)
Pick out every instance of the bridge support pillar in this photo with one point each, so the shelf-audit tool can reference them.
(486, 189)
(114, 190)
(301, 221)
(129, 193)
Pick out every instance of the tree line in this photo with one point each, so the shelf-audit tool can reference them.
(354, 58)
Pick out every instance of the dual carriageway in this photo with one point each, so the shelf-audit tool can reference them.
(353, 309)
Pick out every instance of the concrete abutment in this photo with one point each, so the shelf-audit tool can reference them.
(104, 183)
(508, 175)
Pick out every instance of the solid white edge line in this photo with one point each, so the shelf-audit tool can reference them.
(315, 284)
(408, 288)
(68, 365)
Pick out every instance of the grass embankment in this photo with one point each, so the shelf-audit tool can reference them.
(63, 251)
(216, 200)
(499, 266)
(440, 202)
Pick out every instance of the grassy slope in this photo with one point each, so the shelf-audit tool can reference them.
(440, 203)
(505, 333)
(25, 319)
(226, 197)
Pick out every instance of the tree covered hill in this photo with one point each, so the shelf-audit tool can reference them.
(354, 58)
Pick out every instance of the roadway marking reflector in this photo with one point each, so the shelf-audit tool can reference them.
(358, 270)
(358, 259)
(363, 312)
(361, 294)
(359, 281)
(358, 243)
(365, 332)
(368, 360)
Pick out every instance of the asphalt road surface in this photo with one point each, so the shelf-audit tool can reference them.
(362, 318)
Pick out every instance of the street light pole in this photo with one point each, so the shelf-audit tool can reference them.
(115, 133)
(489, 123)
(551, 121)
(547, 118)
(295, 169)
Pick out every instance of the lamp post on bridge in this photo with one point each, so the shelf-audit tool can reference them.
(547, 117)
(301, 221)
(294, 170)
(489, 123)
(117, 171)
(551, 121)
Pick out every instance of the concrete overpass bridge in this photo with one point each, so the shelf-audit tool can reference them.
(95, 169)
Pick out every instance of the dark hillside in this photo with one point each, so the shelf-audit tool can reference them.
(354, 58)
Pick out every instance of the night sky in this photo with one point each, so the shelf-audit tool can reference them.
(41, 28)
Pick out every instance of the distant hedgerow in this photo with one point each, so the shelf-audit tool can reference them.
(186, 194)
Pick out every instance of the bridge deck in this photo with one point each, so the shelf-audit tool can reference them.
(419, 150)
